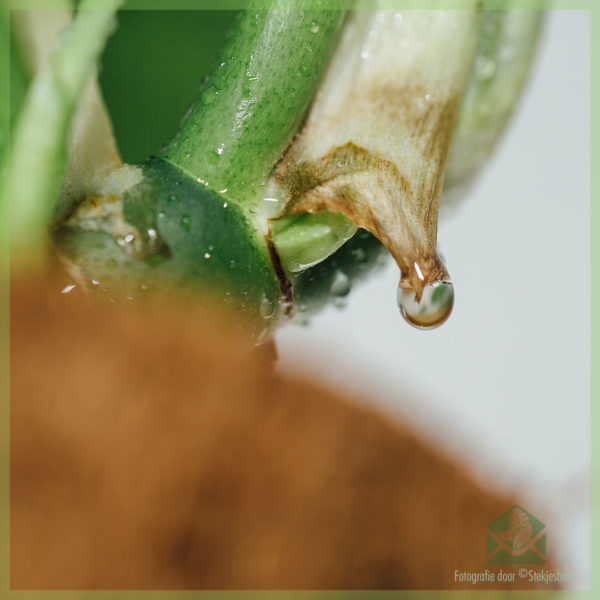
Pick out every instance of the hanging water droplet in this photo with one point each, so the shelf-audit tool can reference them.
(340, 303)
(212, 157)
(126, 241)
(340, 285)
(186, 222)
(263, 336)
(484, 67)
(359, 255)
(267, 308)
(433, 309)
(314, 27)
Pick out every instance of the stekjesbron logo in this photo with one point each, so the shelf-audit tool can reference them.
(516, 537)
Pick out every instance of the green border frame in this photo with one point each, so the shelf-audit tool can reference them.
(593, 592)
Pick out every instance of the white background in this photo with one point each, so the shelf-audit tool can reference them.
(503, 386)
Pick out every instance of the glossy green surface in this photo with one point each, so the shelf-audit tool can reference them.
(253, 102)
(210, 243)
(195, 244)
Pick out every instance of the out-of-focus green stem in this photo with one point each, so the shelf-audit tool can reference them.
(504, 56)
(38, 154)
(4, 134)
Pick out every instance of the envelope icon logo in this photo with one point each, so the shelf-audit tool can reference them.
(516, 537)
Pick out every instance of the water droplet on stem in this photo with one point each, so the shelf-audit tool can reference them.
(186, 222)
(340, 286)
(267, 308)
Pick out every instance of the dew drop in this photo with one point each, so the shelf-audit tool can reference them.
(484, 67)
(263, 336)
(207, 255)
(173, 198)
(186, 222)
(267, 308)
(340, 285)
(314, 27)
(340, 303)
(126, 241)
(68, 288)
(360, 256)
(433, 309)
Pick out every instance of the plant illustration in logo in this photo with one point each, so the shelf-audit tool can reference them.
(516, 537)
(519, 528)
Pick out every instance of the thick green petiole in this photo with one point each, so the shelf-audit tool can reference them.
(195, 217)
(253, 103)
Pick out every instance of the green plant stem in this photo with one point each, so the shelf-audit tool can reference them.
(254, 101)
(38, 157)
(504, 56)
(4, 135)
